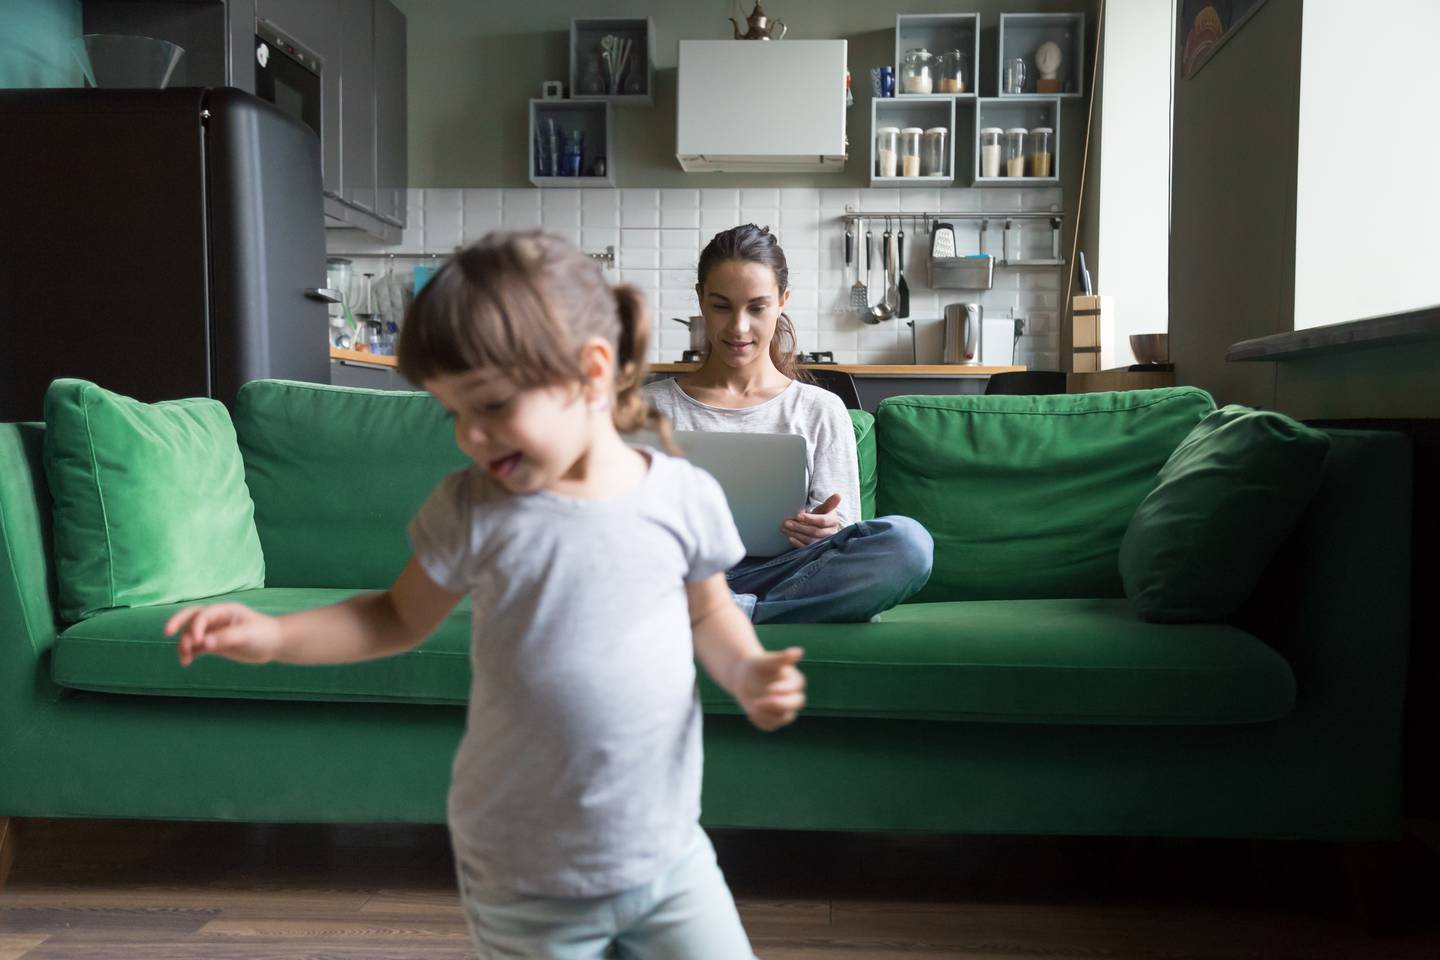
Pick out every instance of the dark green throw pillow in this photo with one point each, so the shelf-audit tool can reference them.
(150, 501)
(1221, 506)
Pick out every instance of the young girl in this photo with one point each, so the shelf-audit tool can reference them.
(596, 572)
(841, 568)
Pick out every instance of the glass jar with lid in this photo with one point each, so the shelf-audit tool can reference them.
(954, 68)
(1015, 151)
(932, 152)
(887, 150)
(1041, 151)
(910, 151)
(991, 149)
(917, 71)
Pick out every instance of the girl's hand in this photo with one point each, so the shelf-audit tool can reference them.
(770, 688)
(227, 629)
(804, 529)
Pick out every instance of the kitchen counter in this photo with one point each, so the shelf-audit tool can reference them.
(362, 356)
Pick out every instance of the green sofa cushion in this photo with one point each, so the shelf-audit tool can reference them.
(125, 651)
(1222, 504)
(337, 473)
(1045, 661)
(1027, 496)
(1073, 661)
(150, 502)
(864, 424)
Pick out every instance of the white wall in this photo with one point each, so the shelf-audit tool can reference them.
(1367, 219)
(1134, 233)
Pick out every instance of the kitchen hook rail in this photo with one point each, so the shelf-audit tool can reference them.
(605, 257)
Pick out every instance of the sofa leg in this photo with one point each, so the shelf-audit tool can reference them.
(1372, 885)
(7, 848)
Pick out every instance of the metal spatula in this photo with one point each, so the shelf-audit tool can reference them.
(859, 296)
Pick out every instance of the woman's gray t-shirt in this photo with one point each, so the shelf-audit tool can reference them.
(579, 772)
(813, 412)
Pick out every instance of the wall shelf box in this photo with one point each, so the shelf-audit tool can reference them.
(938, 33)
(593, 117)
(585, 37)
(922, 112)
(1028, 112)
(1022, 33)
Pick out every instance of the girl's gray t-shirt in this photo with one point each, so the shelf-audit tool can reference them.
(579, 771)
(813, 412)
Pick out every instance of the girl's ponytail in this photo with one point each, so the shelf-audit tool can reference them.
(632, 412)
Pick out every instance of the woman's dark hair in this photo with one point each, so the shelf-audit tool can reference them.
(752, 244)
(525, 303)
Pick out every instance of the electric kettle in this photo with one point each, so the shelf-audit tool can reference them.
(962, 332)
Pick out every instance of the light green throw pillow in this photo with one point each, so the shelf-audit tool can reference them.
(1222, 504)
(150, 501)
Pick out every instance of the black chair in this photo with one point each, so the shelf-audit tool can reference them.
(1025, 382)
(839, 383)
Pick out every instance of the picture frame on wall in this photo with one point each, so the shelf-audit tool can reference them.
(1203, 27)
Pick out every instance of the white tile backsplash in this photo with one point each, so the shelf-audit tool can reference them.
(658, 236)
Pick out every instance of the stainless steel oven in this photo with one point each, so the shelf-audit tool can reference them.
(287, 74)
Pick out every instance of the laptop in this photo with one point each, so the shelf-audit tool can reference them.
(765, 477)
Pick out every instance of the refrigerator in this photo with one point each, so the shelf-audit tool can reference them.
(161, 243)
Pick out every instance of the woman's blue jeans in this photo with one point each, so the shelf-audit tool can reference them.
(848, 577)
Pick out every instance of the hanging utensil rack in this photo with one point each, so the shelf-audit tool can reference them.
(925, 218)
(605, 257)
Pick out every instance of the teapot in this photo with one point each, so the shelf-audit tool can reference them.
(759, 26)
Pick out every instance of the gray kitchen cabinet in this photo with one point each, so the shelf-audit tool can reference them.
(357, 103)
(315, 23)
(347, 373)
(391, 131)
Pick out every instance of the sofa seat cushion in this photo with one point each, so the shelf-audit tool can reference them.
(124, 651)
(1073, 661)
(1007, 661)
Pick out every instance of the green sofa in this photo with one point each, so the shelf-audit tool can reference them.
(1018, 693)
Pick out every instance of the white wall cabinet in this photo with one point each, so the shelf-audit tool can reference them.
(761, 107)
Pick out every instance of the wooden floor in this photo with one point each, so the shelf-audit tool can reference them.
(107, 890)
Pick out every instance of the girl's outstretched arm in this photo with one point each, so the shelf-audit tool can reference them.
(364, 627)
(769, 686)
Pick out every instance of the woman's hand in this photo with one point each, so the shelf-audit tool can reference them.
(228, 629)
(804, 529)
(770, 688)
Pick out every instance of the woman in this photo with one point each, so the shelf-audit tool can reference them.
(841, 568)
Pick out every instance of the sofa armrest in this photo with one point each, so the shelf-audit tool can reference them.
(27, 580)
(1335, 601)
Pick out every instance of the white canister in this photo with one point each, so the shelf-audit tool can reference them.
(933, 155)
(1015, 151)
(887, 151)
(910, 151)
(990, 150)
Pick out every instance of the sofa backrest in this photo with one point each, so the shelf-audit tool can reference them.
(864, 424)
(1027, 496)
(336, 474)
